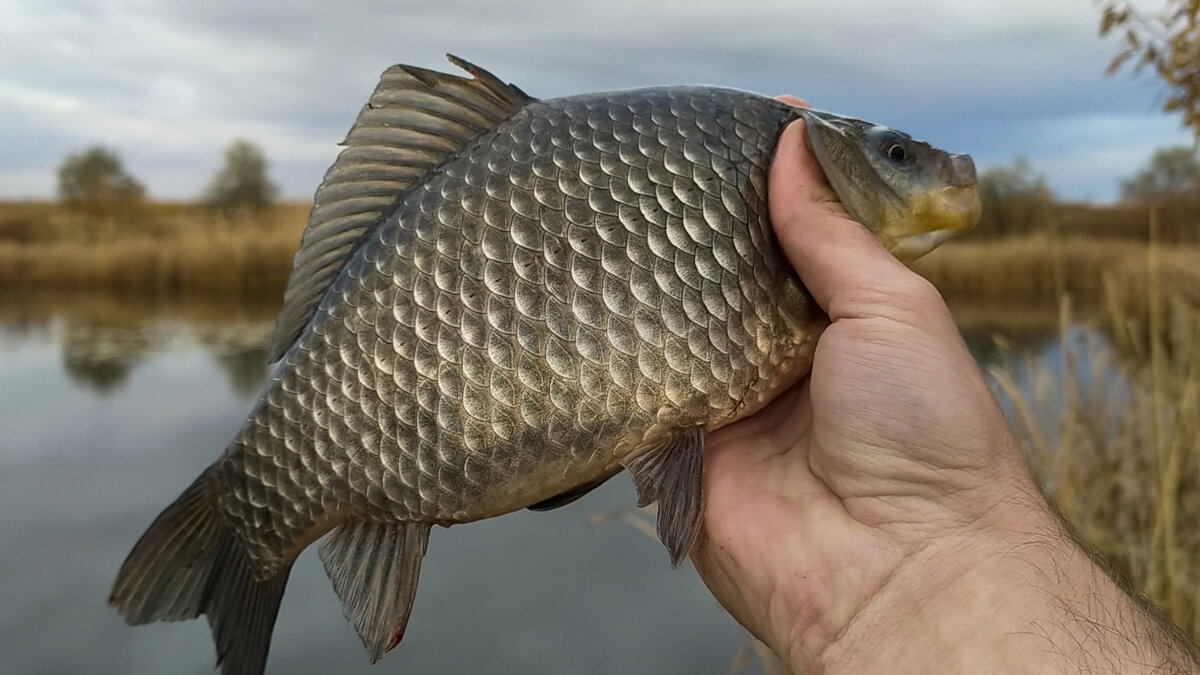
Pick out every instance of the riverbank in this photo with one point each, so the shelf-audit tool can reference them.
(172, 250)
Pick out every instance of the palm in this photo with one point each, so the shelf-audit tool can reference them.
(770, 507)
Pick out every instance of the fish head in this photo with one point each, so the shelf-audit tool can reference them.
(911, 195)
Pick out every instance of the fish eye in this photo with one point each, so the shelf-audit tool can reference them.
(896, 153)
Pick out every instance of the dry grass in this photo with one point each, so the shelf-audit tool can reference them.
(175, 250)
(166, 250)
(1112, 433)
(1176, 221)
(1016, 278)
(49, 223)
(227, 265)
(1111, 424)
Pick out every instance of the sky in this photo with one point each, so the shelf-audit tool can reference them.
(169, 84)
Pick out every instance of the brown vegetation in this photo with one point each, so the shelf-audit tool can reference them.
(1165, 42)
(1113, 436)
(1034, 271)
(1177, 220)
(167, 250)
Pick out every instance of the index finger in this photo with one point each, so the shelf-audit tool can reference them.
(793, 100)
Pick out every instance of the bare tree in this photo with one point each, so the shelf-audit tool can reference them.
(1168, 42)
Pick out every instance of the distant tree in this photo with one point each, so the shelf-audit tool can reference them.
(1015, 199)
(1171, 173)
(1018, 179)
(96, 182)
(242, 183)
(1168, 42)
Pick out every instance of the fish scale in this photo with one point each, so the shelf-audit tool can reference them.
(626, 363)
(500, 303)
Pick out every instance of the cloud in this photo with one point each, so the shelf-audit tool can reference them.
(169, 84)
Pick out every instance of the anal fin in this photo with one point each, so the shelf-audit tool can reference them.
(670, 474)
(374, 568)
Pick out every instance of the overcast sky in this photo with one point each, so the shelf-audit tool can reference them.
(168, 84)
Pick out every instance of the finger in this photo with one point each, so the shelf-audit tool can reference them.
(837, 258)
(793, 100)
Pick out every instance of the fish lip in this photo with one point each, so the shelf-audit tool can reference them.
(962, 171)
(963, 200)
(910, 247)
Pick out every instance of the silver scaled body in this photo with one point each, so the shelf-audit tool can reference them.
(594, 275)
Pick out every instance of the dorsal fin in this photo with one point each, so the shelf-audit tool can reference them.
(415, 120)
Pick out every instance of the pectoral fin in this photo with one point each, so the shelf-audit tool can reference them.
(374, 569)
(669, 474)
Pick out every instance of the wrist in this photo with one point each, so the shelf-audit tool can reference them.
(1018, 595)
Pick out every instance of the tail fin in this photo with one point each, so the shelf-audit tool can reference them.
(189, 563)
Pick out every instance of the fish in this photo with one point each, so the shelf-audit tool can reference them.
(500, 303)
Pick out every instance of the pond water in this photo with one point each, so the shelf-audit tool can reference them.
(108, 411)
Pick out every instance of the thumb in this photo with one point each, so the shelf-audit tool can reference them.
(841, 263)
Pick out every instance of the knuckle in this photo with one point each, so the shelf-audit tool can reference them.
(920, 290)
(906, 295)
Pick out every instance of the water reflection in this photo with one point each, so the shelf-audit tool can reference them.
(240, 349)
(103, 339)
(246, 369)
(526, 593)
(99, 357)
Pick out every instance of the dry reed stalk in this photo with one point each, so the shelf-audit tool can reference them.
(167, 250)
(1113, 435)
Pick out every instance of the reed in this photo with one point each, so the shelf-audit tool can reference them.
(169, 250)
(1177, 219)
(1016, 277)
(1112, 433)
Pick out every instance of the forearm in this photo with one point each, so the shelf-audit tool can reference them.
(1022, 598)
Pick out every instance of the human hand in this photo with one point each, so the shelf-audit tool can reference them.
(878, 516)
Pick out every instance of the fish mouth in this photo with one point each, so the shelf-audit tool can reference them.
(938, 216)
(913, 246)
